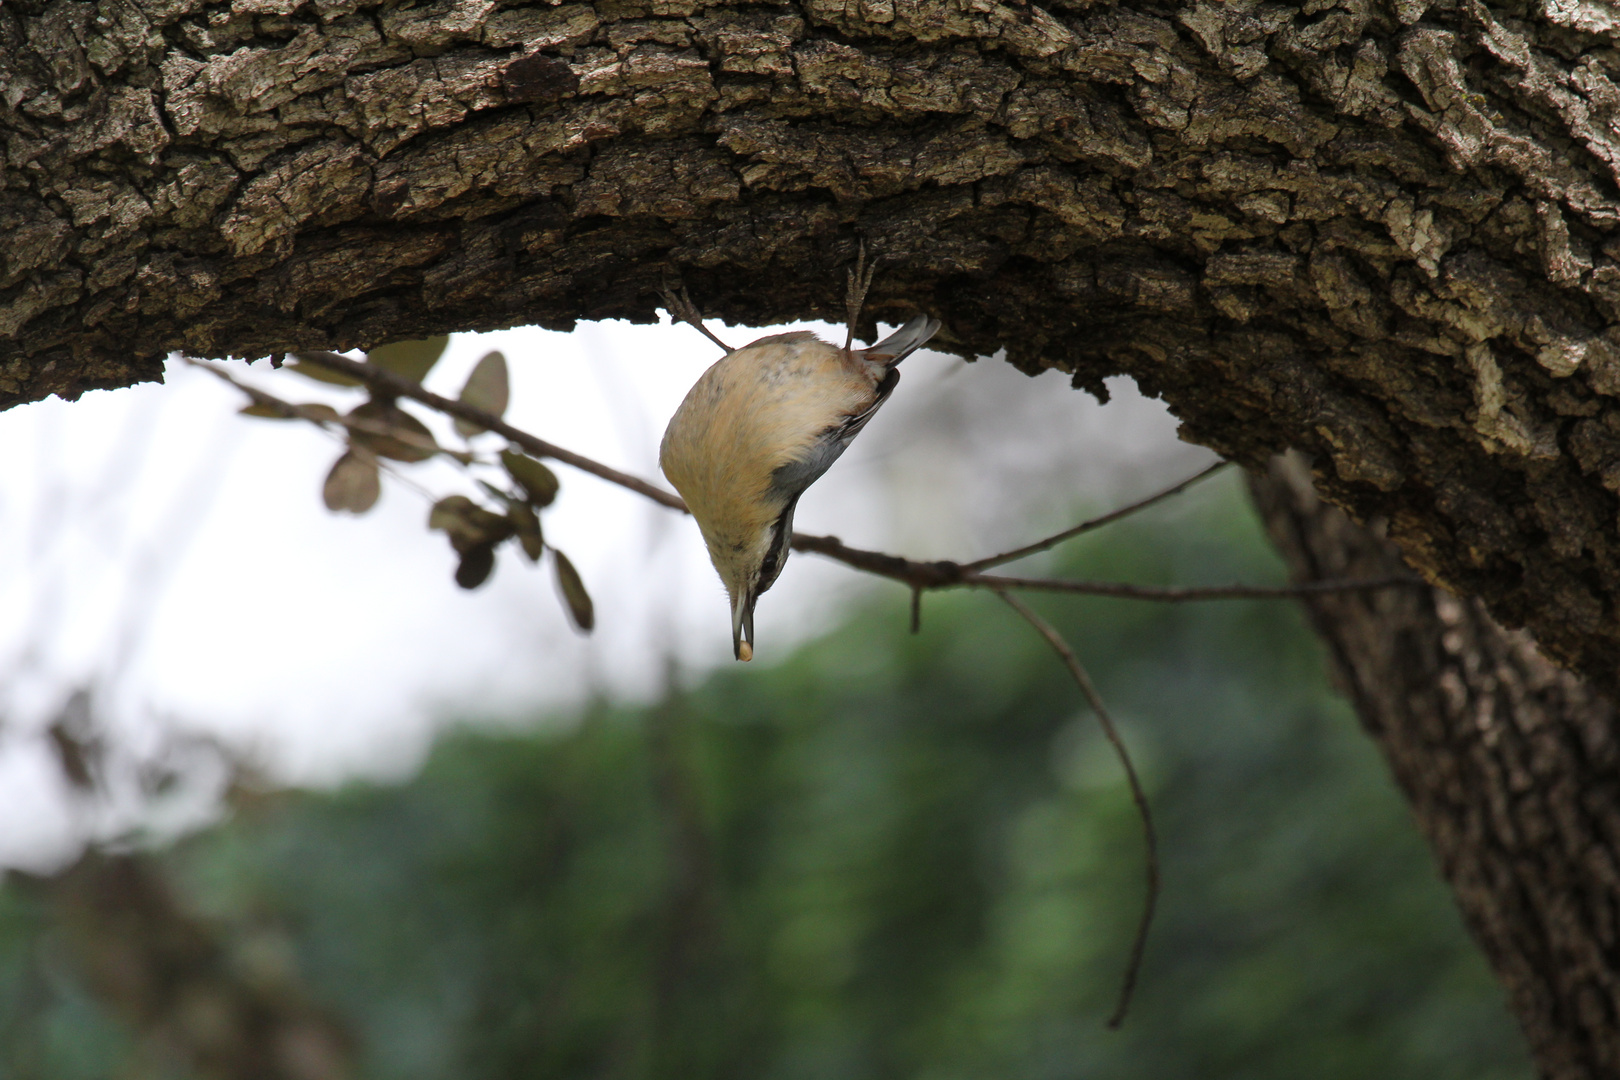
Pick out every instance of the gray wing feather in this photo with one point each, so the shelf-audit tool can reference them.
(790, 480)
(905, 341)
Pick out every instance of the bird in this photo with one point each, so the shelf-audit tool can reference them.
(763, 424)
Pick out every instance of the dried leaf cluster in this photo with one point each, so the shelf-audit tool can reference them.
(379, 430)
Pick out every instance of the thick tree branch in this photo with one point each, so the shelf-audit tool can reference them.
(1379, 232)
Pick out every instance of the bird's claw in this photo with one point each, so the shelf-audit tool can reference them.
(681, 309)
(859, 281)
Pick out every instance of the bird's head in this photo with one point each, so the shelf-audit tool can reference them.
(756, 430)
(748, 560)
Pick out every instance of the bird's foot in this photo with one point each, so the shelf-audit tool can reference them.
(681, 309)
(858, 283)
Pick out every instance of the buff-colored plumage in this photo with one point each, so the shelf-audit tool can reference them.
(756, 410)
(757, 429)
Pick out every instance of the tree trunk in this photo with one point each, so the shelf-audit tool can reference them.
(1374, 230)
(1510, 763)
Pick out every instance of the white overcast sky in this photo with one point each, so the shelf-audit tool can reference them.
(176, 558)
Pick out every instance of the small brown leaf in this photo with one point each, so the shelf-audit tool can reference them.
(352, 485)
(410, 359)
(315, 411)
(487, 388)
(468, 525)
(579, 603)
(476, 565)
(267, 412)
(527, 525)
(449, 510)
(389, 431)
(532, 476)
(308, 365)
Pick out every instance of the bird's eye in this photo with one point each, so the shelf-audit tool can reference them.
(767, 569)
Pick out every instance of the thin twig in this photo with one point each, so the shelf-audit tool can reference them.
(390, 383)
(1094, 523)
(918, 575)
(1150, 900)
(950, 575)
(1175, 595)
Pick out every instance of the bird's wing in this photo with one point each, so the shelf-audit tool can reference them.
(851, 426)
(790, 480)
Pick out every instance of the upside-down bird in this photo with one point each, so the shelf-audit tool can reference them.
(762, 425)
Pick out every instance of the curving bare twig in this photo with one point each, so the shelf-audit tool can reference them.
(1150, 900)
(1095, 523)
(943, 574)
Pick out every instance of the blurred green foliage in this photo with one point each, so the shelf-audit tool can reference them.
(887, 856)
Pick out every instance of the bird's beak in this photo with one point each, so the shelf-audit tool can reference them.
(742, 625)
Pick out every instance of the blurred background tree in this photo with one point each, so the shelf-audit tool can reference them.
(886, 856)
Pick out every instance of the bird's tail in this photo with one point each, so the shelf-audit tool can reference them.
(904, 341)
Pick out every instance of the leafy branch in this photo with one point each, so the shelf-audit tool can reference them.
(380, 431)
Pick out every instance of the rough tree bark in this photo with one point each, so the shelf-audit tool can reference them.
(1512, 767)
(1375, 230)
